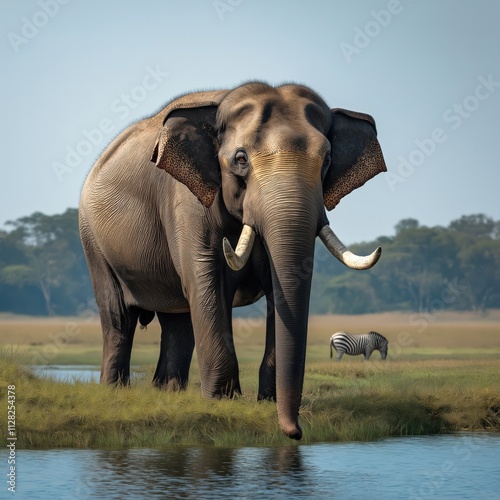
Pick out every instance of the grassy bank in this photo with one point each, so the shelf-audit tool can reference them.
(344, 401)
(442, 375)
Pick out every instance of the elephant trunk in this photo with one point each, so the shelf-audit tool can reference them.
(291, 272)
(289, 207)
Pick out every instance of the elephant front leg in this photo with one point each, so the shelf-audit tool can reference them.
(219, 372)
(176, 351)
(212, 323)
(267, 371)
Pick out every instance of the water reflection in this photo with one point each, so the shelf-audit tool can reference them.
(206, 472)
(460, 466)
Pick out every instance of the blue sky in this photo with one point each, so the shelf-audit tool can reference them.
(77, 72)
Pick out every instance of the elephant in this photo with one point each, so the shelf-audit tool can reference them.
(213, 203)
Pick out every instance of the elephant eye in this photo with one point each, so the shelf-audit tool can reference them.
(241, 157)
(327, 161)
(240, 168)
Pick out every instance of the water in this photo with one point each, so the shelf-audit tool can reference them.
(465, 466)
(68, 373)
(77, 373)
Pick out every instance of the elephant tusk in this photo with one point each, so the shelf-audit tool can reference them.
(337, 249)
(237, 259)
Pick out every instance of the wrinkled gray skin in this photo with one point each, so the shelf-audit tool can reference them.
(153, 240)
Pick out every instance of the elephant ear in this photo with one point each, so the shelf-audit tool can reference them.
(187, 145)
(356, 156)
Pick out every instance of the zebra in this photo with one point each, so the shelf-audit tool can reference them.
(353, 345)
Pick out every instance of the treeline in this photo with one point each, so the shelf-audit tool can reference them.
(423, 269)
(43, 269)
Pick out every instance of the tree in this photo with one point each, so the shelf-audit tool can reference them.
(417, 266)
(351, 294)
(480, 268)
(406, 224)
(476, 225)
(48, 254)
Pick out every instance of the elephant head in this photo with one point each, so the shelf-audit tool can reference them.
(280, 157)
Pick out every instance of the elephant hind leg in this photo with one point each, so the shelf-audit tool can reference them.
(118, 323)
(118, 336)
(118, 320)
(176, 351)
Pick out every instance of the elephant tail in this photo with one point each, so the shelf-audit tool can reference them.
(145, 317)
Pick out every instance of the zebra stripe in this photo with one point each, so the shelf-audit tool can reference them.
(345, 343)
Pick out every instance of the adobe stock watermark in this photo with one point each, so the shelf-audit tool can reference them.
(58, 341)
(32, 25)
(454, 118)
(449, 294)
(363, 36)
(222, 7)
(436, 479)
(94, 139)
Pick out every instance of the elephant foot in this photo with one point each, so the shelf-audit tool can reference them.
(266, 397)
(230, 390)
(115, 378)
(267, 389)
(171, 385)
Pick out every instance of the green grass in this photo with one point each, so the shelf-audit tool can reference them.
(351, 400)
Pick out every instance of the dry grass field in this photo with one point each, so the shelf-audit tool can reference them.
(78, 340)
(445, 330)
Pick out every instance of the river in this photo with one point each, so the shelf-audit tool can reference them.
(463, 466)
